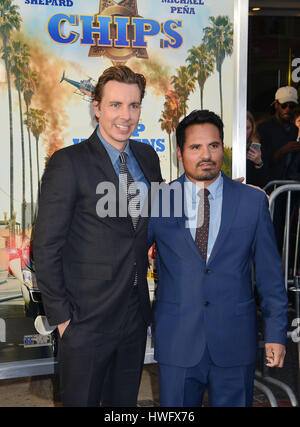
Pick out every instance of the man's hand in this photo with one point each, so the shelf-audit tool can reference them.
(242, 179)
(274, 354)
(290, 147)
(62, 327)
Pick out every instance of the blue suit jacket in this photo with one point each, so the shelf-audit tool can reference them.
(213, 303)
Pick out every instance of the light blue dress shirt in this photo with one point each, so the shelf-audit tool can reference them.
(134, 168)
(215, 202)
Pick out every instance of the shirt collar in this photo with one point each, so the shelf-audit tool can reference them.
(113, 153)
(214, 189)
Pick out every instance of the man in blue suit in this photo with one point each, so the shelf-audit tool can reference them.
(205, 311)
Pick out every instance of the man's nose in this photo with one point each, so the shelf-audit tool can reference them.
(204, 153)
(125, 113)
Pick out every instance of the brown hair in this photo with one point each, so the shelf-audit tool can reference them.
(122, 74)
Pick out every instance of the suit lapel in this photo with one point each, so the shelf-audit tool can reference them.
(148, 175)
(141, 160)
(229, 207)
(105, 162)
(108, 170)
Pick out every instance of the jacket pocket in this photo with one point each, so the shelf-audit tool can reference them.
(66, 331)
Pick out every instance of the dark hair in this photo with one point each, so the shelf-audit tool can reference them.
(197, 117)
(121, 74)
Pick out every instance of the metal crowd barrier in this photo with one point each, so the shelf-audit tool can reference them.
(291, 277)
(289, 188)
(277, 183)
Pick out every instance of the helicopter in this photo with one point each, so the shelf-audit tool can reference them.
(85, 88)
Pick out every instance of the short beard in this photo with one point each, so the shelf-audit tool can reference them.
(208, 177)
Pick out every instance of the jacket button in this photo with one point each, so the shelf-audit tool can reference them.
(207, 271)
(207, 303)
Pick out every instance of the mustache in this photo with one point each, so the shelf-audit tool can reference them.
(206, 161)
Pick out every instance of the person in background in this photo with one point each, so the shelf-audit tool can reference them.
(281, 151)
(297, 123)
(256, 171)
(278, 135)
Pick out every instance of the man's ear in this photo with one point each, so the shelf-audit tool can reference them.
(178, 153)
(96, 105)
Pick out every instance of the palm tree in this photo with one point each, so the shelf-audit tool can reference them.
(183, 84)
(170, 119)
(31, 83)
(10, 20)
(166, 125)
(201, 65)
(37, 123)
(18, 57)
(219, 39)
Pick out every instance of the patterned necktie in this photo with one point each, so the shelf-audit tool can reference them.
(132, 192)
(201, 238)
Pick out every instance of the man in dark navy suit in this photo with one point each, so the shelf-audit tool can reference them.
(91, 264)
(205, 312)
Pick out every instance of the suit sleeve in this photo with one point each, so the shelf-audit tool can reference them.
(269, 278)
(150, 233)
(154, 197)
(55, 208)
(156, 212)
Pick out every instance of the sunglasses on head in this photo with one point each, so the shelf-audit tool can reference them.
(284, 106)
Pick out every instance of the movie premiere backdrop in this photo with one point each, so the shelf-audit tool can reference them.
(52, 53)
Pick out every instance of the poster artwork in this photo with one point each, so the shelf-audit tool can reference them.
(52, 53)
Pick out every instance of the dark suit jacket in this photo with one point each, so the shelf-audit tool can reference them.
(212, 304)
(273, 136)
(85, 264)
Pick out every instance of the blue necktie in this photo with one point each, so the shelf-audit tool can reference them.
(133, 194)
